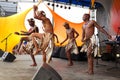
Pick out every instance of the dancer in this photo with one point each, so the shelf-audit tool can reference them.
(71, 47)
(27, 38)
(46, 37)
(87, 35)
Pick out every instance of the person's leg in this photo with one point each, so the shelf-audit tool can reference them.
(21, 41)
(33, 59)
(69, 57)
(50, 59)
(21, 50)
(32, 56)
(48, 46)
(44, 56)
(90, 60)
(36, 35)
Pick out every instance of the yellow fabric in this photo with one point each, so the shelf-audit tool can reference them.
(10, 25)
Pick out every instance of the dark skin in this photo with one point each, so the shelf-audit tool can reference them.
(70, 36)
(87, 33)
(33, 29)
(48, 28)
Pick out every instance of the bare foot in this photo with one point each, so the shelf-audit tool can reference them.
(33, 64)
(86, 71)
(70, 64)
(89, 72)
(16, 51)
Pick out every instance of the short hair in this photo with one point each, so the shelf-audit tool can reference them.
(87, 15)
(66, 23)
(31, 20)
(43, 13)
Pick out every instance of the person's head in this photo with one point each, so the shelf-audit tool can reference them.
(31, 22)
(86, 17)
(66, 25)
(41, 13)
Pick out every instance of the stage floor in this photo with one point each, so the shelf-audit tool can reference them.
(20, 69)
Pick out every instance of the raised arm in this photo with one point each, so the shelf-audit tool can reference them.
(35, 10)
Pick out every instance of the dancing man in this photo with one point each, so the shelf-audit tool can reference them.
(87, 35)
(27, 38)
(71, 47)
(46, 37)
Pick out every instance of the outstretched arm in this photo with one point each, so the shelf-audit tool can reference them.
(26, 32)
(102, 30)
(17, 33)
(23, 31)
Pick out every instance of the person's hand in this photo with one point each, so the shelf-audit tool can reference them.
(35, 7)
(57, 41)
(22, 31)
(83, 40)
(61, 43)
(110, 37)
(17, 33)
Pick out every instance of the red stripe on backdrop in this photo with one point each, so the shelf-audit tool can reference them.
(115, 15)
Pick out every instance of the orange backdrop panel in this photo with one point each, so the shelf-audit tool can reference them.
(60, 30)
